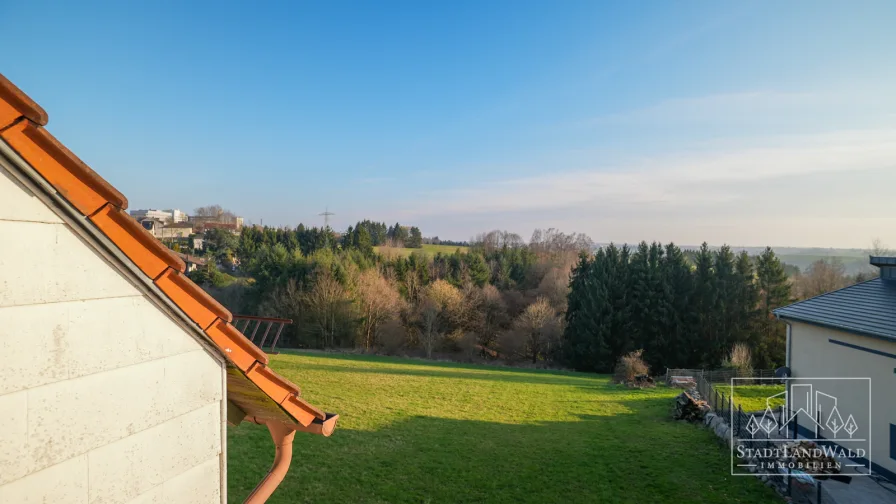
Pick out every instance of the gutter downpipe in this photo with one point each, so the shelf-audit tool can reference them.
(282, 435)
(789, 346)
(787, 356)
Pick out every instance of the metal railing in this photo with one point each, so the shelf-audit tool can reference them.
(722, 375)
(253, 322)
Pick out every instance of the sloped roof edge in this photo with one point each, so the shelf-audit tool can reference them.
(864, 308)
(21, 127)
(15, 103)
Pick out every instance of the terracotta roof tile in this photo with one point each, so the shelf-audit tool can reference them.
(195, 302)
(301, 410)
(73, 179)
(242, 352)
(15, 104)
(20, 127)
(274, 385)
(151, 256)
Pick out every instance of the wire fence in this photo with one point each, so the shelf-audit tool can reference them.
(756, 376)
(712, 385)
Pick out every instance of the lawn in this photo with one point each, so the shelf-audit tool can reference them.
(419, 432)
(427, 249)
(753, 397)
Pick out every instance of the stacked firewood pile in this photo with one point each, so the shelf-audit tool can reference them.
(637, 381)
(685, 382)
(643, 381)
(689, 406)
(808, 457)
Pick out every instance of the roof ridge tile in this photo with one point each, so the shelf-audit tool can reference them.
(14, 103)
(242, 352)
(150, 255)
(195, 302)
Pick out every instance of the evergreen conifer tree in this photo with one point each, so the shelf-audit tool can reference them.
(774, 292)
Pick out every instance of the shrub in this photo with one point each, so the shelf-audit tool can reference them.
(740, 360)
(469, 346)
(392, 337)
(629, 366)
(511, 345)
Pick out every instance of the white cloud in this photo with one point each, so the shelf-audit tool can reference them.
(680, 179)
(757, 167)
(788, 190)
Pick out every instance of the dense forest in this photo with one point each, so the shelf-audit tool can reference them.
(554, 300)
(681, 313)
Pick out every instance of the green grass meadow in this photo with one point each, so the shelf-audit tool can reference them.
(753, 397)
(424, 432)
(429, 250)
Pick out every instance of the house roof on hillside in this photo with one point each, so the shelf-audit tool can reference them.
(187, 258)
(252, 385)
(867, 308)
(180, 225)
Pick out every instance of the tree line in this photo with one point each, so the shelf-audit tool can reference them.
(498, 297)
(682, 313)
(555, 298)
(366, 234)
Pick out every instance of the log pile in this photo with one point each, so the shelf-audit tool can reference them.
(643, 381)
(809, 457)
(689, 406)
(684, 382)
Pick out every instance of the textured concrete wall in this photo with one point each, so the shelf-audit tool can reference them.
(104, 398)
(813, 355)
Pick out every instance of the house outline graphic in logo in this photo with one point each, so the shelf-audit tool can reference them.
(808, 405)
(829, 427)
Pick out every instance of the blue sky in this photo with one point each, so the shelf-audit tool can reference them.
(749, 123)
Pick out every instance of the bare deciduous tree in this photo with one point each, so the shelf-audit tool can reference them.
(327, 305)
(496, 240)
(378, 301)
(493, 310)
(554, 286)
(824, 275)
(392, 336)
(538, 325)
(878, 249)
(553, 241)
(449, 301)
(215, 211)
(428, 315)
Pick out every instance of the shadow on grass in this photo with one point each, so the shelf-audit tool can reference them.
(383, 360)
(639, 456)
(592, 382)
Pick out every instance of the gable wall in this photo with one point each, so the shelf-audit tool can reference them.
(813, 355)
(103, 397)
